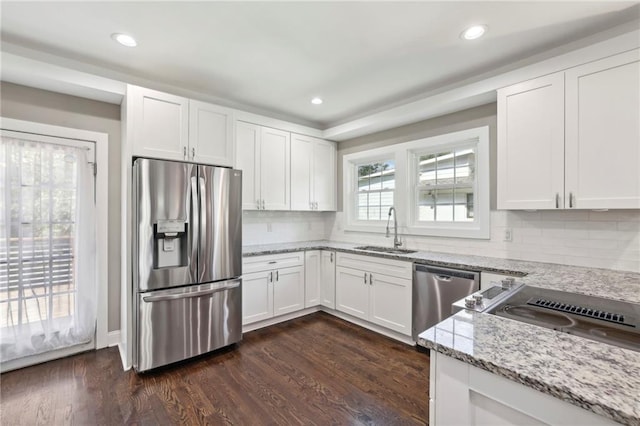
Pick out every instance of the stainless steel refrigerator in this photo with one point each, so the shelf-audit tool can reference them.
(188, 260)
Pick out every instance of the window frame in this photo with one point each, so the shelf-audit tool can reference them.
(405, 195)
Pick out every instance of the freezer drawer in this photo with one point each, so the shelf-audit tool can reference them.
(180, 323)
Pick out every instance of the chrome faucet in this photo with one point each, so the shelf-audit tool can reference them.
(396, 241)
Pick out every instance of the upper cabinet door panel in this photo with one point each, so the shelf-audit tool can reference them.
(531, 144)
(603, 133)
(275, 174)
(247, 159)
(210, 134)
(301, 172)
(160, 123)
(324, 175)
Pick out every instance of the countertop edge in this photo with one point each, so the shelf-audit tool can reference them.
(561, 393)
(403, 257)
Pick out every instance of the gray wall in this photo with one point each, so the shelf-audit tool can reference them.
(484, 115)
(29, 104)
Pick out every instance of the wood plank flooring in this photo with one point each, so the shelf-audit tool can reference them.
(314, 370)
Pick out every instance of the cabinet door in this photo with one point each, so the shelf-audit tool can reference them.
(210, 134)
(352, 292)
(288, 290)
(390, 303)
(603, 133)
(328, 279)
(324, 175)
(275, 172)
(312, 278)
(248, 160)
(302, 151)
(160, 124)
(531, 144)
(257, 297)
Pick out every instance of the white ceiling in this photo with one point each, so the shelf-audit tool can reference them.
(360, 57)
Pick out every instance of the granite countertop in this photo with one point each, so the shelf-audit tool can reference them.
(598, 377)
(601, 378)
(607, 283)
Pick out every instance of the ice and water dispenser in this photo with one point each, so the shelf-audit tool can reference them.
(171, 243)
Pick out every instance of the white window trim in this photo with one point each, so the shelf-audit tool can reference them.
(404, 195)
(101, 141)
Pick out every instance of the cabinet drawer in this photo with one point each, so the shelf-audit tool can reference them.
(272, 261)
(374, 264)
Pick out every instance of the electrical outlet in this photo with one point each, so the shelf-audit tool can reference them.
(508, 235)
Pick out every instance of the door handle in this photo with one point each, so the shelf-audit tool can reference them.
(258, 204)
(570, 200)
(443, 278)
(557, 200)
(370, 279)
(331, 257)
(277, 275)
(365, 278)
(184, 151)
(271, 276)
(190, 295)
(193, 153)
(263, 208)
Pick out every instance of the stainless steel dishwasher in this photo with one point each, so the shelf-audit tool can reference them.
(435, 289)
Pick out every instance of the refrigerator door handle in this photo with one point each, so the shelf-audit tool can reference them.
(204, 251)
(190, 295)
(195, 228)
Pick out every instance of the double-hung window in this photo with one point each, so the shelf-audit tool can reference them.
(439, 186)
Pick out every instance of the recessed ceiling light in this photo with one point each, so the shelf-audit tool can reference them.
(316, 101)
(474, 32)
(124, 39)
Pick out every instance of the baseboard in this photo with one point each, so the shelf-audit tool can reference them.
(113, 338)
(369, 326)
(279, 319)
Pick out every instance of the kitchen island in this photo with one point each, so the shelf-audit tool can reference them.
(522, 362)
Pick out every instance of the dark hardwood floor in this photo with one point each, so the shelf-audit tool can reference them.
(316, 369)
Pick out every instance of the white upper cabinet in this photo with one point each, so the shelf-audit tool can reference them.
(603, 133)
(531, 144)
(275, 172)
(313, 173)
(210, 134)
(159, 123)
(170, 127)
(248, 160)
(572, 139)
(263, 155)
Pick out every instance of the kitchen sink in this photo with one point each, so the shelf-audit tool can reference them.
(380, 249)
(604, 320)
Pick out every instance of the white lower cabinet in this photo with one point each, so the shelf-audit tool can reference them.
(461, 394)
(328, 279)
(272, 285)
(364, 292)
(320, 278)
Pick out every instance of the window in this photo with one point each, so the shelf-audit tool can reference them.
(376, 183)
(444, 185)
(438, 185)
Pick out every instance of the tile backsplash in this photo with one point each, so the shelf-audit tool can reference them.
(607, 239)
